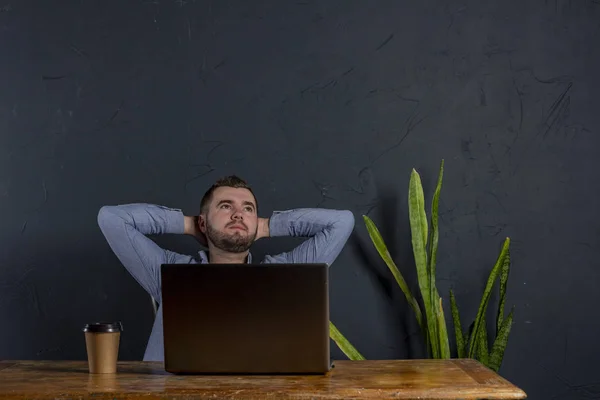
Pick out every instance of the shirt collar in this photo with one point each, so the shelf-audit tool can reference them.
(204, 257)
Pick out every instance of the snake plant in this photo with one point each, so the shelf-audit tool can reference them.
(471, 344)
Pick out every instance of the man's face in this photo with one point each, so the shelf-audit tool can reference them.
(231, 221)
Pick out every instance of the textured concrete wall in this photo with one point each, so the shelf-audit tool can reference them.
(327, 104)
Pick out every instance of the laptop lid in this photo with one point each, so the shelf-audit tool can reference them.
(246, 318)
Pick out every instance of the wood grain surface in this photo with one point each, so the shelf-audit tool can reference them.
(368, 379)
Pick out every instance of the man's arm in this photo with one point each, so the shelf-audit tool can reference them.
(327, 230)
(125, 228)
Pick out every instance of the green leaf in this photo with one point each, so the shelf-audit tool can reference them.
(418, 225)
(387, 258)
(482, 344)
(486, 297)
(343, 343)
(417, 201)
(434, 238)
(442, 337)
(499, 346)
(503, 281)
(460, 343)
(442, 331)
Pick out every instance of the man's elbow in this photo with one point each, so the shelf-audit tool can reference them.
(341, 230)
(107, 215)
(346, 221)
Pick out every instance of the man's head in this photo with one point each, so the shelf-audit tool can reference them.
(229, 215)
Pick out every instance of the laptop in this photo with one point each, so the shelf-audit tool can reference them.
(246, 318)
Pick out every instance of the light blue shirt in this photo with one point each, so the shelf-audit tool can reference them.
(125, 228)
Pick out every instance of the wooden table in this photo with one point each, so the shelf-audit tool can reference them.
(398, 379)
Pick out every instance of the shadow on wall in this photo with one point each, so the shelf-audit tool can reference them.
(392, 223)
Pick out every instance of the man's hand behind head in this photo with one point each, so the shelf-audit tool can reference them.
(262, 229)
(193, 229)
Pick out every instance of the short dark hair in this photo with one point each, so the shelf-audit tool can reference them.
(227, 181)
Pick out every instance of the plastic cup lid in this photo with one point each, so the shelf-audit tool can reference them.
(103, 327)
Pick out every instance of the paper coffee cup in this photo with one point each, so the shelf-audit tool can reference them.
(102, 345)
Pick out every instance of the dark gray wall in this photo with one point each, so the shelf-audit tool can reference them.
(326, 104)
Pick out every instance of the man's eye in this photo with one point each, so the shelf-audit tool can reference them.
(249, 209)
(225, 206)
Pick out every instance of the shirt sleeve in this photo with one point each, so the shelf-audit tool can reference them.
(125, 228)
(327, 232)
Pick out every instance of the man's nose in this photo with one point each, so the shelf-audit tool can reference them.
(237, 214)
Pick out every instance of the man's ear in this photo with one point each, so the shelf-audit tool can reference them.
(202, 223)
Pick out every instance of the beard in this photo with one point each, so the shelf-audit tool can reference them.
(232, 243)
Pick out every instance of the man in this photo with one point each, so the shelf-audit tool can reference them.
(228, 224)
